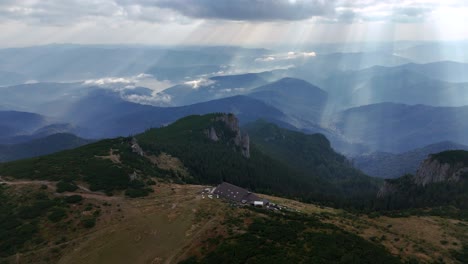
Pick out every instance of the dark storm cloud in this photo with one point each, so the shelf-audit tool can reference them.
(252, 10)
(66, 12)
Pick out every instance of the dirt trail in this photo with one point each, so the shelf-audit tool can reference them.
(23, 182)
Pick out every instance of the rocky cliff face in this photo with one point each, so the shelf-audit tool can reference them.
(239, 138)
(441, 180)
(245, 145)
(433, 171)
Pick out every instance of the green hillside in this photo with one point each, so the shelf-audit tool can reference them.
(104, 165)
(313, 156)
(300, 166)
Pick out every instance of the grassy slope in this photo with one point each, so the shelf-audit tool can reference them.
(175, 223)
(104, 165)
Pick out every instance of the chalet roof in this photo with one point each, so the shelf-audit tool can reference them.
(235, 193)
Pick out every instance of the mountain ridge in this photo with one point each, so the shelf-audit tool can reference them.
(441, 180)
(204, 158)
(391, 165)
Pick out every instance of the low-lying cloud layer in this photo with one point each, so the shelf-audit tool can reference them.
(291, 55)
(141, 88)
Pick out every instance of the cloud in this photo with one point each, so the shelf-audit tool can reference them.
(291, 55)
(131, 88)
(65, 12)
(398, 11)
(109, 81)
(299, 55)
(251, 10)
(265, 59)
(260, 23)
(70, 12)
(195, 84)
(123, 81)
(114, 12)
(57, 12)
(155, 99)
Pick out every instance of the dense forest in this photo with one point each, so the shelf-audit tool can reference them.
(410, 195)
(450, 193)
(274, 166)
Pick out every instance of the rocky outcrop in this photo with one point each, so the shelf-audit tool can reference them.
(433, 171)
(230, 120)
(245, 145)
(386, 190)
(133, 176)
(240, 139)
(136, 147)
(212, 134)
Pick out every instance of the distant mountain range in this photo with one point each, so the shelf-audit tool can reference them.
(40, 146)
(93, 112)
(399, 128)
(294, 97)
(434, 52)
(44, 98)
(389, 165)
(448, 71)
(18, 127)
(397, 85)
(81, 62)
(11, 78)
(105, 114)
(334, 108)
(13, 123)
(320, 67)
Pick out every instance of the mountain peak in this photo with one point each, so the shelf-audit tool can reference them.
(293, 81)
(294, 87)
(217, 127)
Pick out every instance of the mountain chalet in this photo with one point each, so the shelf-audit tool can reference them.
(239, 195)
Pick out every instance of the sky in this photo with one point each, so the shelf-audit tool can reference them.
(229, 22)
